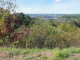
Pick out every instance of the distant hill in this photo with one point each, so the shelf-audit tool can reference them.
(71, 17)
(67, 18)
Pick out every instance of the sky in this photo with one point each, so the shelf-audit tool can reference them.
(48, 6)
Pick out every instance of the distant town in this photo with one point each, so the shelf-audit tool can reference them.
(48, 16)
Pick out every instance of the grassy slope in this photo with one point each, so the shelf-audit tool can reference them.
(40, 54)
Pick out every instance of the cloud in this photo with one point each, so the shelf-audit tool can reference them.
(36, 9)
(27, 9)
(57, 0)
(64, 9)
(46, 9)
(40, 9)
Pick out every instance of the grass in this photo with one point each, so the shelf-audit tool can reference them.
(74, 58)
(30, 54)
(43, 56)
(72, 50)
(23, 51)
(60, 54)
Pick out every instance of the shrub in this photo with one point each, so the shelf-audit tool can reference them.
(60, 54)
(67, 27)
(41, 36)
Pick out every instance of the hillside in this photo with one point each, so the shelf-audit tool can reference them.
(67, 18)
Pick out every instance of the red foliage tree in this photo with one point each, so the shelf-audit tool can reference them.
(10, 24)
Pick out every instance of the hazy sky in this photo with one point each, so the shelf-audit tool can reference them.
(49, 6)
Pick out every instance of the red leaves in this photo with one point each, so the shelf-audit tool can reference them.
(26, 33)
(15, 26)
(7, 44)
(15, 36)
(21, 41)
(10, 30)
(16, 21)
(25, 29)
(9, 21)
(8, 26)
(0, 33)
(29, 29)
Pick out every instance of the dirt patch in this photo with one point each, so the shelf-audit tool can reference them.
(38, 54)
(75, 55)
(5, 56)
(47, 53)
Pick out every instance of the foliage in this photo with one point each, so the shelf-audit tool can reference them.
(15, 28)
(43, 56)
(27, 20)
(10, 21)
(23, 19)
(60, 54)
(67, 27)
(41, 34)
(47, 36)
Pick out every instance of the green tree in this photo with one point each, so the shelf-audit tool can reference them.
(21, 18)
(27, 20)
(62, 26)
(67, 27)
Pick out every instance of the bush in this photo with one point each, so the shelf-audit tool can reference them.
(48, 36)
(67, 27)
(41, 36)
(60, 54)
